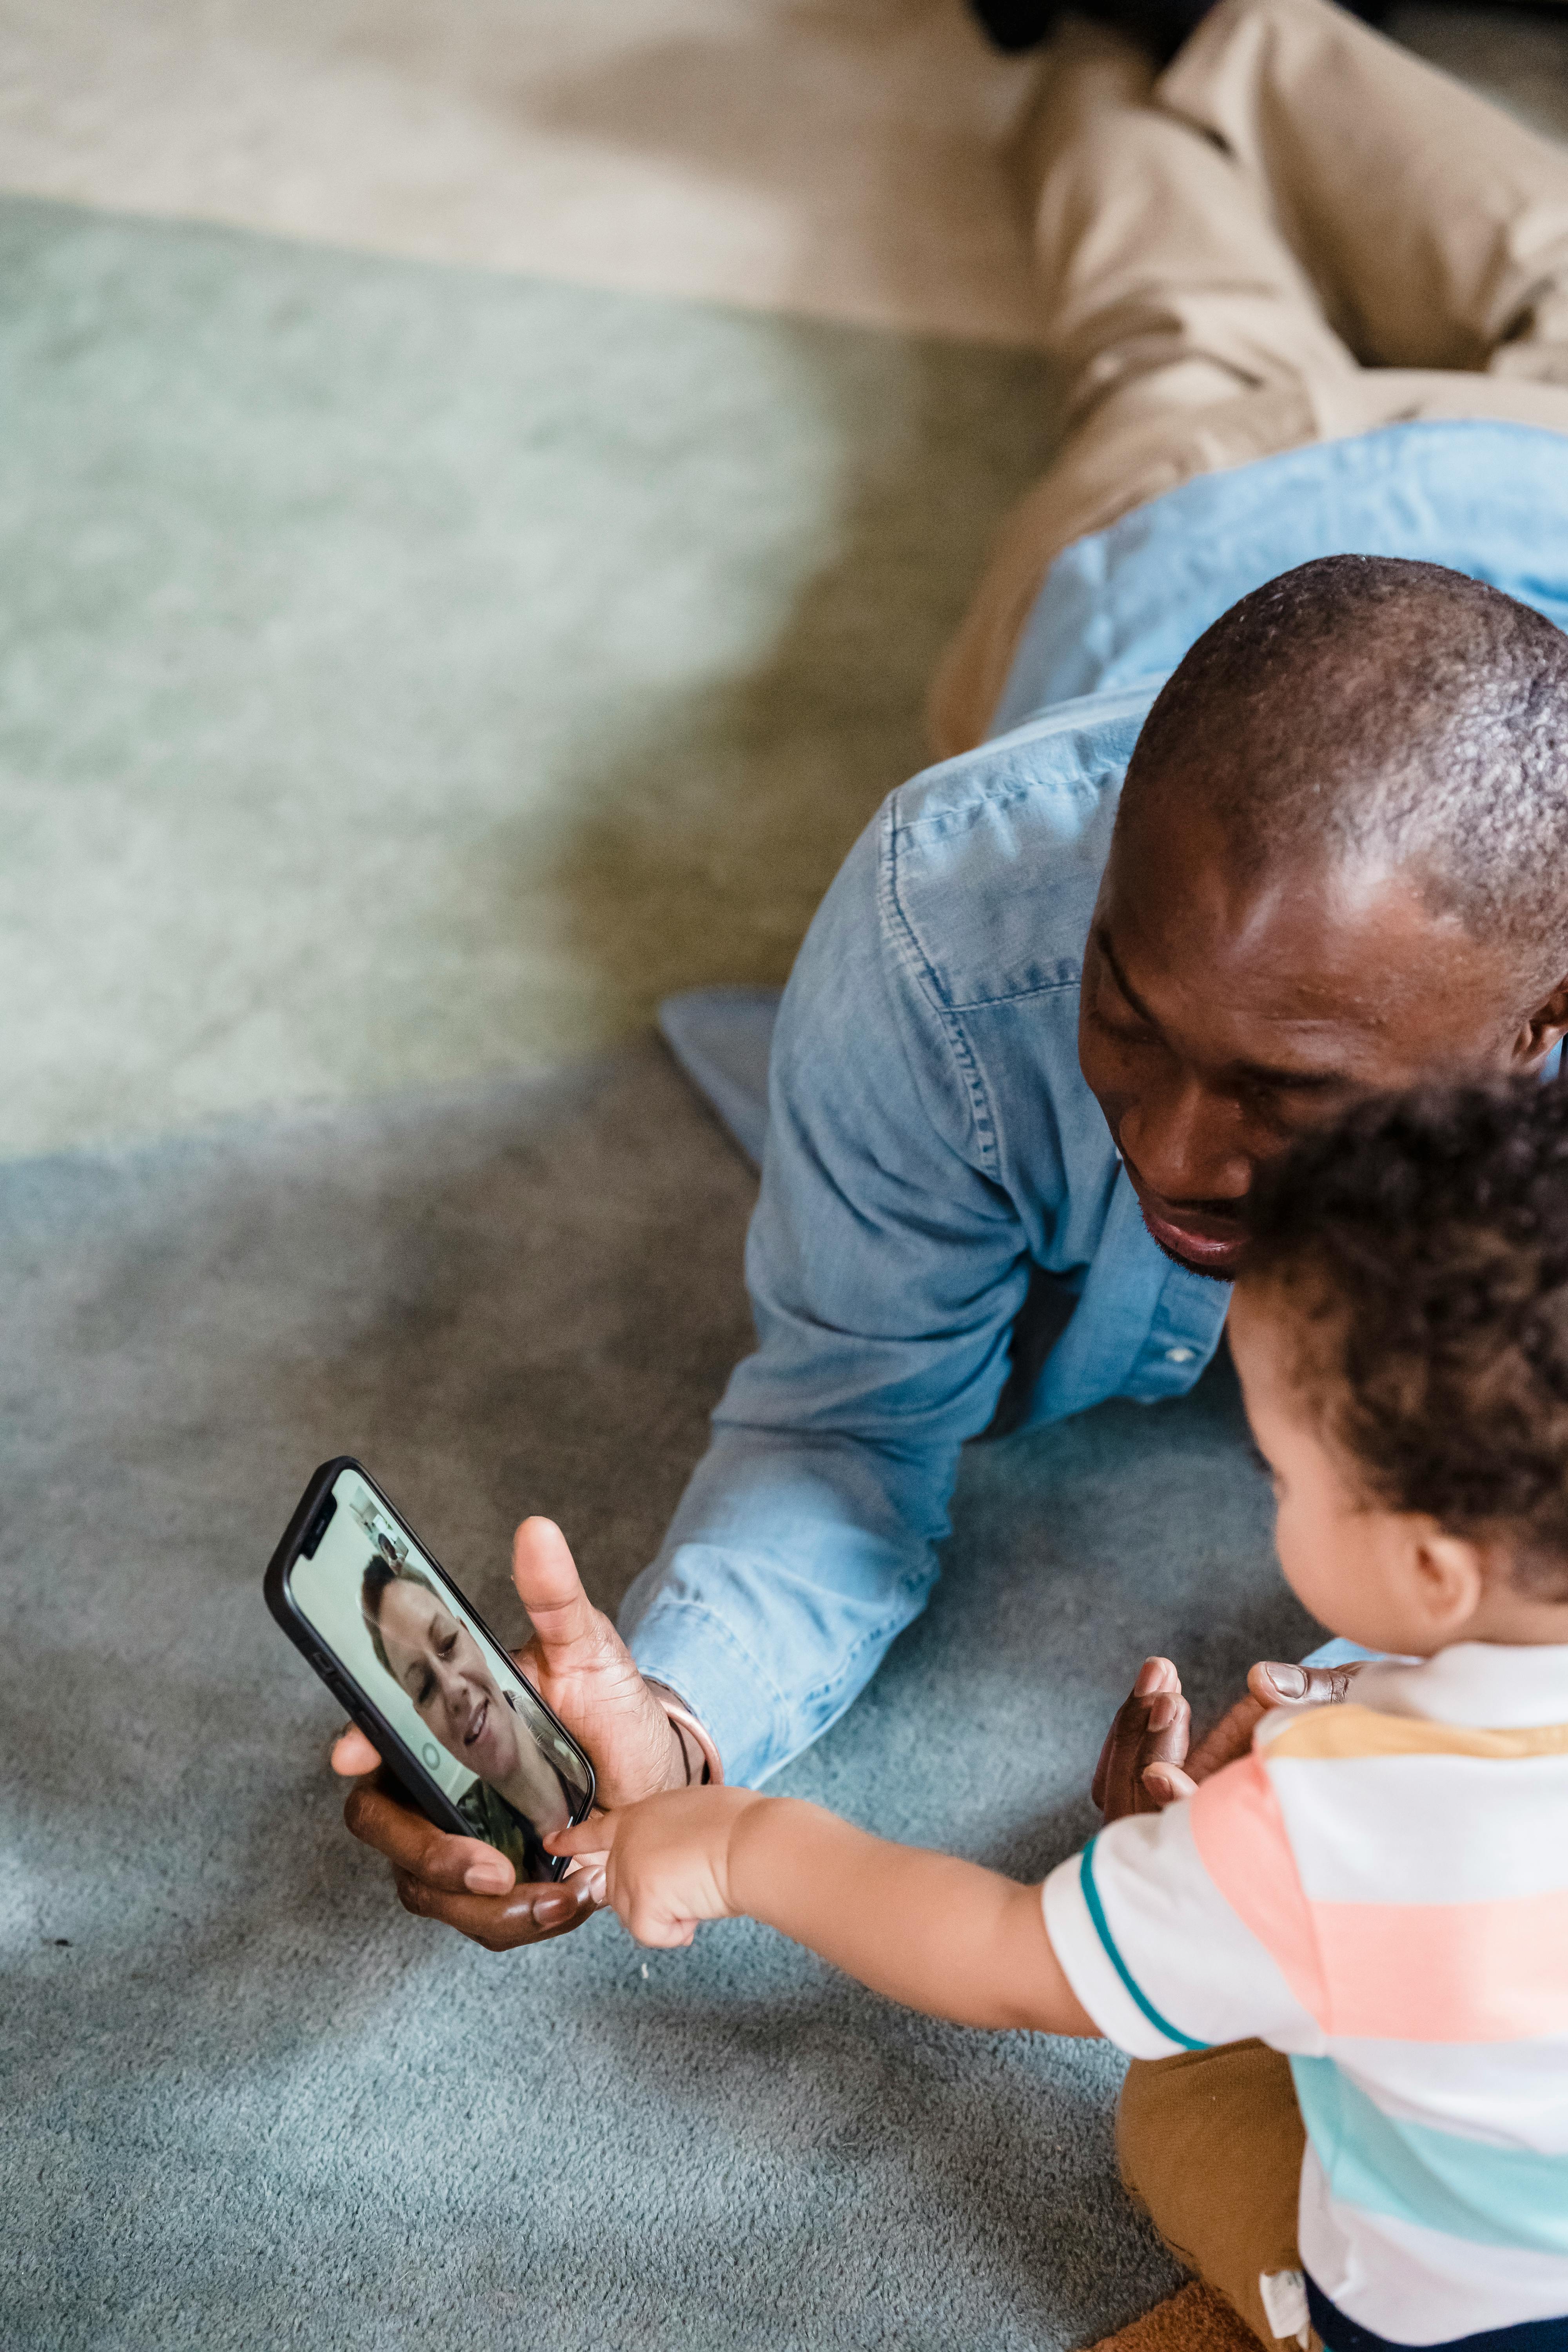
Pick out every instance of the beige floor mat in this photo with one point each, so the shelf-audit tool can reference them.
(840, 157)
(843, 158)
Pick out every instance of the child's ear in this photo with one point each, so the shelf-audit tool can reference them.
(1451, 1577)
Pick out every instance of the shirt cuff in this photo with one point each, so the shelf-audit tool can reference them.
(694, 1653)
(1082, 1941)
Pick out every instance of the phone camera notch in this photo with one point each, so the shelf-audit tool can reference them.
(321, 1519)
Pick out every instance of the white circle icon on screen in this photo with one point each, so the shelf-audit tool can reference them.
(431, 1754)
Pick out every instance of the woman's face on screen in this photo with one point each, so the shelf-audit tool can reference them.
(438, 1663)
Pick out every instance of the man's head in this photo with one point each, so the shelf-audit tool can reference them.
(1340, 866)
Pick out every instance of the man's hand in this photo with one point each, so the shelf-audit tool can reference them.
(665, 1865)
(581, 1667)
(1145, 1763)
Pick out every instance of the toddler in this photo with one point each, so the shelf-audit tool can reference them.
(1379, 1890)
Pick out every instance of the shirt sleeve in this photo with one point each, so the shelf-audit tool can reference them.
(886, 1266)
(1158, 1956)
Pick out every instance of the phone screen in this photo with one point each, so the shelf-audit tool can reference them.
(401, 1631)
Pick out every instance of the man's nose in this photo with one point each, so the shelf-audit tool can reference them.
(1183, 1142)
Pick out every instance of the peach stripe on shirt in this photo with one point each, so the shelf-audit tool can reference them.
(1493, 1971)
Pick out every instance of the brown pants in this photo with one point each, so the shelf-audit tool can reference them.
(1210, 2143)
(1297, 233)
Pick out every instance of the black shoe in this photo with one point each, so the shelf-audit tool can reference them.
(1015, 24)
(1157, 25)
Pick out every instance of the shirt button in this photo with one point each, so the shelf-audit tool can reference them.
(1178, 1355)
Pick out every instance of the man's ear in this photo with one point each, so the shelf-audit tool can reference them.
(1545, 1027)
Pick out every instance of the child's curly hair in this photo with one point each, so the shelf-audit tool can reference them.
(1424, 1237)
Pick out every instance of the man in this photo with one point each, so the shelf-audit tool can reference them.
(1043, 1030)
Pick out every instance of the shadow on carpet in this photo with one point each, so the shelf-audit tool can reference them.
(249, 2103)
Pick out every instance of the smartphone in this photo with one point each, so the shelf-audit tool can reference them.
(419, 1671)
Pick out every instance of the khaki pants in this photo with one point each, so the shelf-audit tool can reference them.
(1297, 233)
(1210, 2143)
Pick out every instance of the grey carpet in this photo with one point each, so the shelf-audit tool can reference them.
(248, 2103)
(410, 675)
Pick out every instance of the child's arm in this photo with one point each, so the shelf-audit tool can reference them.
(937, 1934)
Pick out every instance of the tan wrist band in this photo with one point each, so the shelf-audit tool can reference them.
(685, 1721)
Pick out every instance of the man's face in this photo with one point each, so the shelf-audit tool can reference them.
(1220, 1018)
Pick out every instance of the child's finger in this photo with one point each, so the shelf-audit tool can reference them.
(589, 1865)
(658, 1929)
(1166, 1783)
(596, 1835)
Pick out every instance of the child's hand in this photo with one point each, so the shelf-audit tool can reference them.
(668, 1864)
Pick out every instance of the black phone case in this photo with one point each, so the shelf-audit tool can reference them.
(424, 1792)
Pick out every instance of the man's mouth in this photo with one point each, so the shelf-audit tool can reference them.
(1212, 1244)
(476, 1729)
(1200, 1253)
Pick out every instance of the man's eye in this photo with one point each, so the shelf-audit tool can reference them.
(1290, 1110)
(1117, 1018)
(1281, 1113)
(448, 1645)
(427, 1685)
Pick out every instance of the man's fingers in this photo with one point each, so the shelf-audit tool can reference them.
(412, 1844)
(1231, 1737)
(1273, 1684)
(1152, 1725)
(1167, 1732)
(1097, 1787)
(352, 1755)
(1129, 1723)
(1270, 1684)
(528, 1915)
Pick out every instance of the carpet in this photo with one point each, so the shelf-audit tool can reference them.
(409, 674)
(249, 2103)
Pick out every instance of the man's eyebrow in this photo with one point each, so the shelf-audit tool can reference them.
(1102, 941)
(1256, 1074)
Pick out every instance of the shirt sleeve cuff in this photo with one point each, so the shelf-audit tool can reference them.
(694, 1653)
(1082, 1941)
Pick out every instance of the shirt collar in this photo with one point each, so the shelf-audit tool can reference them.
(1494, 1685)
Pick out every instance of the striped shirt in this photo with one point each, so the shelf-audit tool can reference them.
(1381, 1891)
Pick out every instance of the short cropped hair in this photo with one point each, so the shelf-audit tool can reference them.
(379, 1573)
(1420, 1242)
(1369, 708)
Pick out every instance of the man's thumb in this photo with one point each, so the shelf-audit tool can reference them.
(549, 1586)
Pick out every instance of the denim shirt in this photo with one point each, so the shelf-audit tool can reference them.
(930, 1139)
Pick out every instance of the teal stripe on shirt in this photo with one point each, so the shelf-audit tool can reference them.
(1103, 1929)
(1468, 2188)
